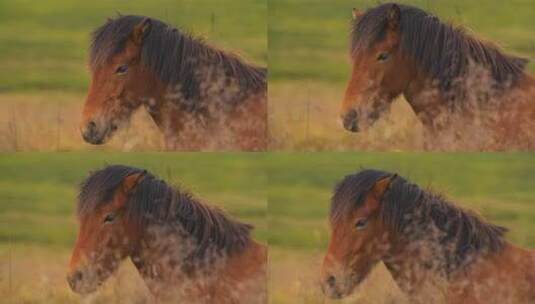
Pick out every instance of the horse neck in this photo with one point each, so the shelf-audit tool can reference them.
(217, 103)
(425, 267)
(250, 262)
(520, 265)
(163, 258)
(219, 84)
(225, 84)
(422, 259)
(526, 87)
(412, 266)
(160, 249)
(509, 275)
(530, 273)
(477, 95)
(245, 274)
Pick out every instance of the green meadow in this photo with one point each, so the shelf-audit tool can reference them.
(40, 189)
(45, 43)
(309, 39)
(498, 186)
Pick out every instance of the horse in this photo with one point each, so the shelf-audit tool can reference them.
(435, 251)
(466, 92)
(199, 96)
(183, 249)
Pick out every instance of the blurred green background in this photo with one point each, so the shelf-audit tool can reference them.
(500, 186)
(39, 190)
(44, 43)
(308, 39)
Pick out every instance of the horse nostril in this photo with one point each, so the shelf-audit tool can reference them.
(91, 125)
(331, 281)
(92, 134)
(350, 121)
(74, 278)
(77, 276)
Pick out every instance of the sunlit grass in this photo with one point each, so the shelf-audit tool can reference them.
(303, 116)
(30, 273)
(49, 121)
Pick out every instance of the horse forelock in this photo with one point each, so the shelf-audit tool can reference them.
(443, 51)
(100, 186)
(153, 201)
(350, 193)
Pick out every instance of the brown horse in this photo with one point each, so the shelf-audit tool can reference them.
(433, 249)
(199, 96)
(183, 249)
(466, 92)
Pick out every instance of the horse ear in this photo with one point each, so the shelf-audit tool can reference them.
(393, 16)
(128, 184)
(131, 181)
(382, 185)
(356, 13)
(140, 30)
(373, 204)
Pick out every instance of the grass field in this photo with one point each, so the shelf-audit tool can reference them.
(43, 71)
(309, 66)
(38, 226)
(498, 186)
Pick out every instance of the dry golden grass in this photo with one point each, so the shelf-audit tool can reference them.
(36, 274)
(294, 278)
(48, 121)
(303, 116)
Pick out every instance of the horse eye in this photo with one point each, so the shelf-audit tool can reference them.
(361, 223)
(383, 56)
(110, 217)
(121, 69)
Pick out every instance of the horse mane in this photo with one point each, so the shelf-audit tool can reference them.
(443, 51)
(405, 204)
(170, 53)
(154, 201)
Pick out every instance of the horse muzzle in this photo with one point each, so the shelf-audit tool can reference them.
(96, 135)
(335, 288)
(329, 288)
(350, 121)
(78, 283)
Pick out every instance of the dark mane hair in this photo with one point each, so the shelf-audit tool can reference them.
(443, 51)
(155, 201)
(172, 54)
(404, 203)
